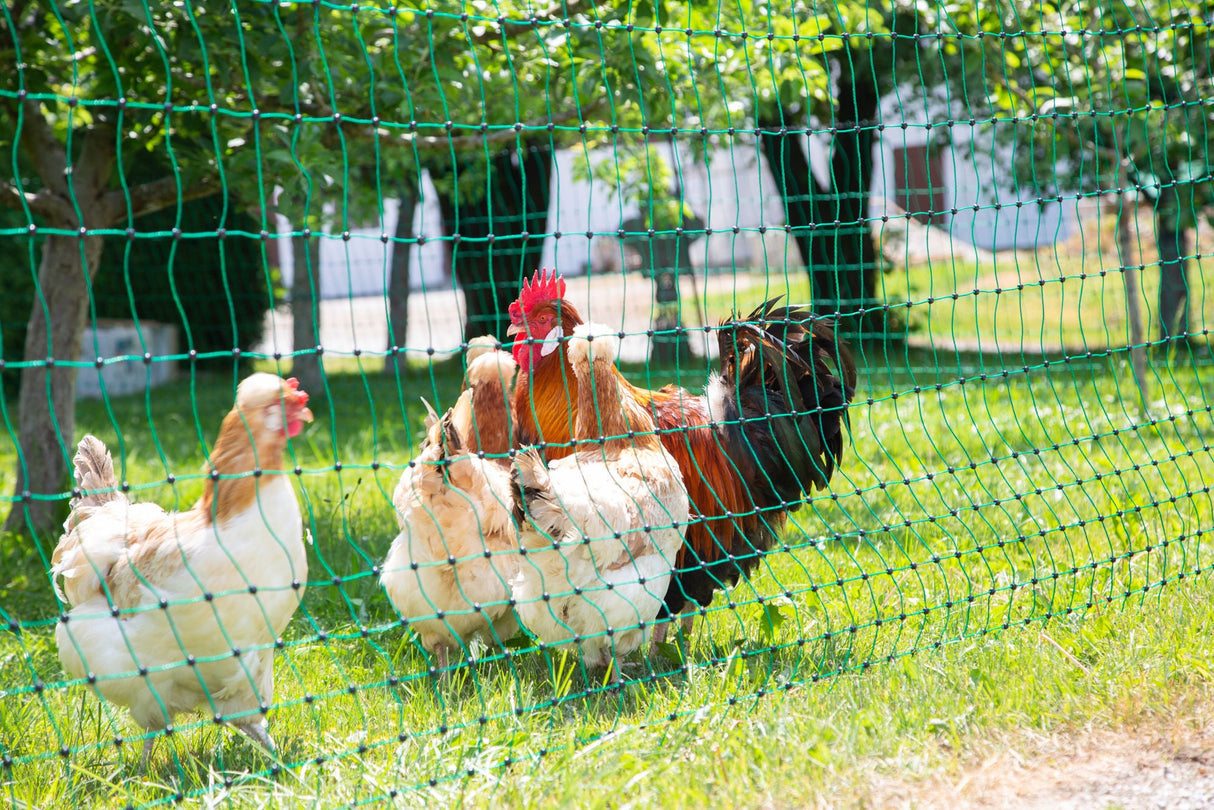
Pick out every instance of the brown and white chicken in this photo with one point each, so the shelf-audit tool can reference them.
(173, 612)
(600, 529)
(448, 570)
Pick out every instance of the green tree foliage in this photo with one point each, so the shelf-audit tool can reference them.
(1109, 96)
(1085, 97)
(322, 111)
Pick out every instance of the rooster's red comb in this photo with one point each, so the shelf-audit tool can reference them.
(546, 285)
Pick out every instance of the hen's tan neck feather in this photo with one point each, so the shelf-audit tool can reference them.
(606, 408)
(493, 431)
(242, 447)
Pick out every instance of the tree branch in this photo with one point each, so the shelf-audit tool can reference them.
(56, 209)
(92, 170)
(150, 197)
(14, 198)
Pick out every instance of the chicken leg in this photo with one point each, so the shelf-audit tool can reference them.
(257, 733)
(148, 744)
(686, 624)
(441, 659)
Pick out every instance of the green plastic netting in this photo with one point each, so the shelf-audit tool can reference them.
(1002, 210)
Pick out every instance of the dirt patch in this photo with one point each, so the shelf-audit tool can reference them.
(1167, 766)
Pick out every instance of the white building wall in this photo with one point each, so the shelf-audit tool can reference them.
(733, 189)
(361, 266)
(978, 171)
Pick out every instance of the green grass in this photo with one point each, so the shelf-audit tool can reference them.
(1033, 302)
(1053, 301)
(903, 624)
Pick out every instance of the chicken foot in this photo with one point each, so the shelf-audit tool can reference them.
(662, 630)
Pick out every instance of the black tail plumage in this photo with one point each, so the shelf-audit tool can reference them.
(787, 381)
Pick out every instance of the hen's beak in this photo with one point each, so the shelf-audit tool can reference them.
(514, 329)
(304, 414)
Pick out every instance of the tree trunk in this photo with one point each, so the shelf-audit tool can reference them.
(802, 195)
(73, 194)
(851, 163)
(1173, 280)
(1126, 237)
(398, 285)
(500, 235)
(305, 311)
(46, 421)
(662, 256)
(831, 224)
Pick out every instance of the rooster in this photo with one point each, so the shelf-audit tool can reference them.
(599, 529)
(448, 570)
(768, 426)
(177, 611)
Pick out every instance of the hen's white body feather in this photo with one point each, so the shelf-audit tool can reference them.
(604, 525)
(261, 549)
(615, 582)
(448, 572)
(466, 518)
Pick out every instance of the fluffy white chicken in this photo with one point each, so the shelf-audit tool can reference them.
(448, 570)
(599, 529)
(177, 611)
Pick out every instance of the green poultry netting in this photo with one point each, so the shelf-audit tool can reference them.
(931, 276)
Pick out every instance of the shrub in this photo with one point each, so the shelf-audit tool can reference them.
(214, 290)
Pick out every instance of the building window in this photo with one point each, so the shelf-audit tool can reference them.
(919, 183)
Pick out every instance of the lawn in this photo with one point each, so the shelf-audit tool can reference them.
(1069, 299)
(1034, 302)
(999, 552)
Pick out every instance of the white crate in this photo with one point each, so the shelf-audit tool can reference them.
(112, 339)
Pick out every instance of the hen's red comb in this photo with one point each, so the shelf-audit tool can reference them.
(546, 285)
(293, 384)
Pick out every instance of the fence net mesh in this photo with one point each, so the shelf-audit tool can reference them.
(1000, 211)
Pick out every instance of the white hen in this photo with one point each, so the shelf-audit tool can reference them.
(177, 611)
(600, 529)
(448, 571)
